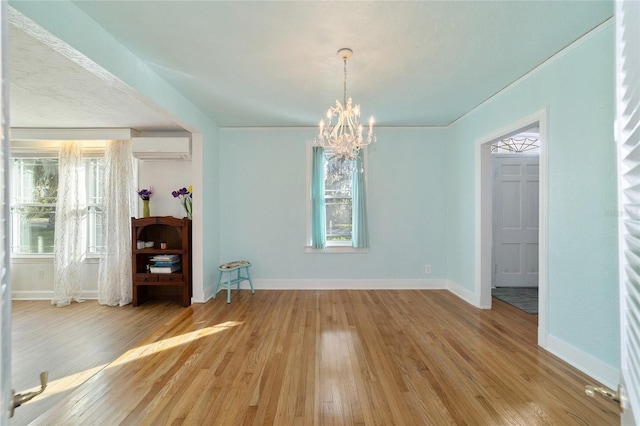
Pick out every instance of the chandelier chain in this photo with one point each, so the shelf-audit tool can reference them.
(345, 81)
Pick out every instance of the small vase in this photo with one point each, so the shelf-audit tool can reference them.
(145, 208)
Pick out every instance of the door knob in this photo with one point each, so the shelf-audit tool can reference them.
(19, 399)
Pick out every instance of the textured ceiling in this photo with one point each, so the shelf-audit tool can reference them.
(49, 90)
(275, 64)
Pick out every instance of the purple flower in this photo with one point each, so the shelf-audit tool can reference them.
(185, 196)
(145, 194)
(179, 192)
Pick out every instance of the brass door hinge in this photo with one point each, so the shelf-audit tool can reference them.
(607, 393)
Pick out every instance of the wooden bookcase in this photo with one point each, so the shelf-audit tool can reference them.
(176, 233)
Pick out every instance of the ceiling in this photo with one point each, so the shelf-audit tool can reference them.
(274, 63)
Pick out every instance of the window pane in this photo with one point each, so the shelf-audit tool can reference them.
(95, 167)
(337, 176)
(94, 230)
(35, 180)
(33, 229)
(338, 219)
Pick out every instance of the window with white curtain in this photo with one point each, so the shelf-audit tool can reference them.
(34, 189)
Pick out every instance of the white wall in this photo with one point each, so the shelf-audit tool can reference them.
(33, 278)
(164, 177)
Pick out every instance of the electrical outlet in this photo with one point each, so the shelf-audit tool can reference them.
(427, 269)
(40, 274)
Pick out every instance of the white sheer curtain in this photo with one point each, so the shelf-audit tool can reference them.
(69, 246)
(114, 276)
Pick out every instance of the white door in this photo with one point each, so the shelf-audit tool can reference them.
(5, 288)
(515, 230)
(627, 14)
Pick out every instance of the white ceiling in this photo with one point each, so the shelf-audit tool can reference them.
(274, 63)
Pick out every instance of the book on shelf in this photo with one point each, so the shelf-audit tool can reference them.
(166, 258)
(166, 263)
(164, 269)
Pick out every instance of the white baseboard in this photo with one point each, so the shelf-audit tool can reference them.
(305, 284)
(48, 295)
(359, 284)
(604, 373)
(207, 294)
(464, 294)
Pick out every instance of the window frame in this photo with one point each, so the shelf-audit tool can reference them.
(333, 246)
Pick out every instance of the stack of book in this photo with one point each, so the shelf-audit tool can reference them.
(165, 263)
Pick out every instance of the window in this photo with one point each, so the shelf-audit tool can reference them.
(33, 204)
(338, 199)
(336, 210)
(526, 142)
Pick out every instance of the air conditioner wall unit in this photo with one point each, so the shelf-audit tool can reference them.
(162, 148)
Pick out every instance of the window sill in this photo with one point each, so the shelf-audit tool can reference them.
(46, 258)
(336, 250)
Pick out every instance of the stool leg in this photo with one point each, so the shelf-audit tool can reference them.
(229, 288)
(250, 282)
(215, 292)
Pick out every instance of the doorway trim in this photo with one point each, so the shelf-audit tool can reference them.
(484, 214)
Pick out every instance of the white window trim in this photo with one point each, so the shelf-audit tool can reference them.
(334, 248)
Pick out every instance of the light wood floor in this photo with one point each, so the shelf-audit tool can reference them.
(72, 344)
(337, 358)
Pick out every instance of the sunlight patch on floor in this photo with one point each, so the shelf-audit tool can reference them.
(172, 342)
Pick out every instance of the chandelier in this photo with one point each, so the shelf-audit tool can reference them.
(344, 137)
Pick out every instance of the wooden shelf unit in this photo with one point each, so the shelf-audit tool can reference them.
(177, 234)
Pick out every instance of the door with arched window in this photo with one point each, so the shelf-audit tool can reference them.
(515, 211)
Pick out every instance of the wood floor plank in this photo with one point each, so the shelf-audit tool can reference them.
(338, 358)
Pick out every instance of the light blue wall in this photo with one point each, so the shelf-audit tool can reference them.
(67, 22)
(263, 190)
(576, 88)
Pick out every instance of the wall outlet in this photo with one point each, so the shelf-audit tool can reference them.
(40, 274)
(427, 269)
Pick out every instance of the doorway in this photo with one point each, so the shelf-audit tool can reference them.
(535, 123)
(515, 167)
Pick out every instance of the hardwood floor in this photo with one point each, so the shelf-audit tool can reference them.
(337, 358)
(72, 344)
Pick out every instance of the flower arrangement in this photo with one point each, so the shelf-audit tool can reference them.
(185, 197)
(145, 194)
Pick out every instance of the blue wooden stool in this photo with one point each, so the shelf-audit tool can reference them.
(228, 268)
